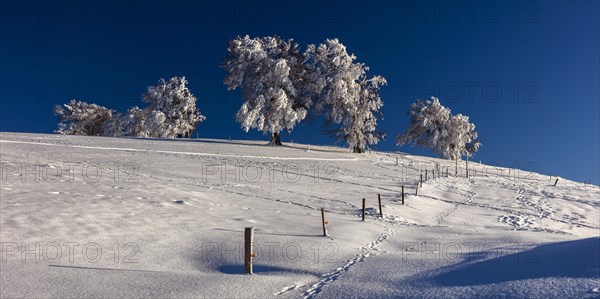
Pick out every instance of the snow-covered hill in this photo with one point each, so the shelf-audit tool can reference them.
(117, 217)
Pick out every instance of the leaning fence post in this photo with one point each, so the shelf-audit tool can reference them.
(380, 210)
(363, 210)
(248, 254)
(555, 182)
(403, 194)
(324, 222)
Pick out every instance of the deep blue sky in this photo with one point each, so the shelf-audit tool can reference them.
(527, 73)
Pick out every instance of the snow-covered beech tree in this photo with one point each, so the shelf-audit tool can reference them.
(269, 72)
(115, 126)
(460, 139)
(172, 110)
(81, 118)
(427, 125)
(433, 126)
(339, 88)
(134, 123)
(356, 121)
(459, 133)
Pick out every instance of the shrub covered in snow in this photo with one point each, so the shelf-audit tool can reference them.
(81, 118)
(171, 112)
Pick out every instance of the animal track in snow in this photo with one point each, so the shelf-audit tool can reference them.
(366, 250)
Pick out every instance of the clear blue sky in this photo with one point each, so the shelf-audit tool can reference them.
(527, 73)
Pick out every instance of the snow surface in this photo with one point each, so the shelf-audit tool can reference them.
(171, 223)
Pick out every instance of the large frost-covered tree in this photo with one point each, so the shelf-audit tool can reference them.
(339, 88)
(172, 110)
(433, 126)
(269, 72)
(81, 118)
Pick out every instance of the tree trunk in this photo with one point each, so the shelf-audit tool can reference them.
(456, 167)
(275, 139)
(357, 149)
(467, 164)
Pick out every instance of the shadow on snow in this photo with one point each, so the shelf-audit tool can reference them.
(571, 259)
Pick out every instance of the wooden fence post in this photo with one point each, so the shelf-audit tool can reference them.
(380, 210)
(433, 174)
(248, 254)
(417, 190)
(555, 182)
(421, 181)
(363, 210)
(324, 222)
(396, 161)
(425, 175)
(403, 194)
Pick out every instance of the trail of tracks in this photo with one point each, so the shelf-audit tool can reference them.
(367, 250)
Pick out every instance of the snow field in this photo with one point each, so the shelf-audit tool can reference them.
(171, 223)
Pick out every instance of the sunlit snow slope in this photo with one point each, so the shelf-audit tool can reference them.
(117, 217)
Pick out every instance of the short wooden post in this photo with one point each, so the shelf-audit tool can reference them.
(425, 175)
(380, 210)
(403, 194)
(555, 182)
(421, 181)
(248, 254)
(433, 174)
(396, 161)
(324, 222)
(363, 210)
(417, 190)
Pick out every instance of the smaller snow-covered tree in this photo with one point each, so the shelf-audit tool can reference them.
(459, 139)
(172, 109)
(134, 123)
(115, 126)
(81, 118)
(433, 126)
(427, 125)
